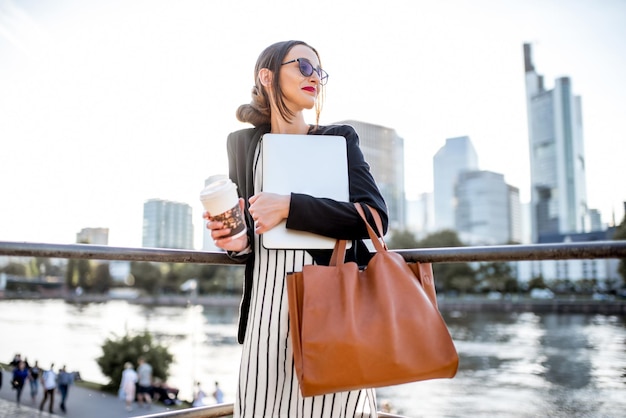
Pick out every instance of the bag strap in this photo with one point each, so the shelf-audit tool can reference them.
(339, 252)
(379, 243)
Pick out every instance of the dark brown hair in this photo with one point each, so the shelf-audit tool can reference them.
(258, 111)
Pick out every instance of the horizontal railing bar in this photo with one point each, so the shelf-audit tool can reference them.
(215, 411)
(561, 251)
(104, 252)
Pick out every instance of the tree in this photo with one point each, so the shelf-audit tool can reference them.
(449, 276)
(83, 270)
(402, 240)
(116, 352)
(78, 274)
(15, 269)
(102, 279)
(495, 276)
(444, 238)
(44, 267)
(147, 276)
(537, 282)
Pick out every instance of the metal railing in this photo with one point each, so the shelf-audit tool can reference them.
(217, 411)
(583, 250)
(579, 250)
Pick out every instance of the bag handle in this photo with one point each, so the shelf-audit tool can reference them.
(339, 252)
(377, 240)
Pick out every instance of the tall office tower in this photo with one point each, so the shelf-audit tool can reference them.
(455, 157)
(486, 208)
(95, 236)
(167, 225)
(384, 151)
(557, 160)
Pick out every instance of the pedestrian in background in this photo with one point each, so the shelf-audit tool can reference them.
(33, 378)
(198, 397)
(20, 374)
(144, 386)
(49, 383)
(218, 394)
(64, 381)
(128, 385)
(16, 360)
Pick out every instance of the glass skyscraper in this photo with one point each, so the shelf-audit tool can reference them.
(383, 149)
(167, 224)
(455, 157)
(557, 159)
(486, 209)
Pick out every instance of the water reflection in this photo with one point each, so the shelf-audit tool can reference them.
(511, 364)
(526, 365)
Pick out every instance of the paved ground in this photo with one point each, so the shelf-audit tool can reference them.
(80, 403)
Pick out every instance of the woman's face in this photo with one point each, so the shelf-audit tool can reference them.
(299, 92)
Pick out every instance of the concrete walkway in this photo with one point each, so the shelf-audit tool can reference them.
(80, 403)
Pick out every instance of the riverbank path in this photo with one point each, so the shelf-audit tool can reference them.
(80, 403)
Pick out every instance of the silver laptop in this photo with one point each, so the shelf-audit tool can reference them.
(316, 165)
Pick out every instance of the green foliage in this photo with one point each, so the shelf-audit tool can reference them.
(148, 276)
(102, 279)
(116, 352)
(15, 269)
(449, 276)
(537, 282)
(79, 273)
(45, 267)
(70, 280)
(445, 238)
(402, 240)
(157, 278)
(224, 279)
(496, 276)
(83, 270)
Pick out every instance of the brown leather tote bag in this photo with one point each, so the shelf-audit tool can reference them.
(355, 329)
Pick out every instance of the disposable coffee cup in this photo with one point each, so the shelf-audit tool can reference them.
(221, 200)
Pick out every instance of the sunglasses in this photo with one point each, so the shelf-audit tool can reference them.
(306, 69)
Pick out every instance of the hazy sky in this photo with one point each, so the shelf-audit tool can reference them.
(104, 105)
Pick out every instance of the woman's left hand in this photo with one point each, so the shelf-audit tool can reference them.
(268, 210)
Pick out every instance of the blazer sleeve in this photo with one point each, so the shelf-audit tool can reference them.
(237, 148)
(332, 218)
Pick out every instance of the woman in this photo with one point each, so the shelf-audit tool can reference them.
(288, 80)
(128, 385)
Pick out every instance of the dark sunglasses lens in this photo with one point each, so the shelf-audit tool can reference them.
(306, 68)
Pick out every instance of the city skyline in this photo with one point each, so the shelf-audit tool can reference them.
(104, 106)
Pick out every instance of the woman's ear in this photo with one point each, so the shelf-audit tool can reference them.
(265, 77)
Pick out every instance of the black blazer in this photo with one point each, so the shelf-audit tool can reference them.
(321, 216)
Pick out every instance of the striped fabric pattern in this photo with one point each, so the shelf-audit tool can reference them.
(268, 386)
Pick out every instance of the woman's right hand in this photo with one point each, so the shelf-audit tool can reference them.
(219, 232)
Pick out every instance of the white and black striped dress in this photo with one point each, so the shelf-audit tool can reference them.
(268, 385)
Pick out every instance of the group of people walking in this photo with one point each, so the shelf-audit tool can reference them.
(50, 382)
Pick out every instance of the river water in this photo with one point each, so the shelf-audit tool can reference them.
(511, 364)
